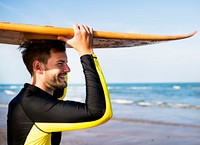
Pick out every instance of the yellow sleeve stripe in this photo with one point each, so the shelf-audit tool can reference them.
(55, 127)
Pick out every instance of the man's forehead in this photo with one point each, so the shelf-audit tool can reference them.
(59, 55)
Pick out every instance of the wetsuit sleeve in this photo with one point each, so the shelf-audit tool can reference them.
(68, 115)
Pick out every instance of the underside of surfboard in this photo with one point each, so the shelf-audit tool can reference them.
(17, 34)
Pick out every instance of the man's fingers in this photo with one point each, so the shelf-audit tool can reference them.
(87, 29)
(76, 28)
(62, 38)
(91, 30)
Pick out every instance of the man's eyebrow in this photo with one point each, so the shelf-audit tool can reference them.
(62, 61)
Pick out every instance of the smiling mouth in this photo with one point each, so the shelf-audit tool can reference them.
(62, 78)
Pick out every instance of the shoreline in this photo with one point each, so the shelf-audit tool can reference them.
(129, 132)
(155, 122)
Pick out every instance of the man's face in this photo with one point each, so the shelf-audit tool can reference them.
(56, 70)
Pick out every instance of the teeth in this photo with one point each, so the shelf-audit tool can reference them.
(62, 78)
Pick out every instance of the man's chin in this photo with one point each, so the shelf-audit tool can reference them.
(63, 85)
(59, 86)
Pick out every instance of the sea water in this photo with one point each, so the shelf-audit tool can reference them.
(175, 103)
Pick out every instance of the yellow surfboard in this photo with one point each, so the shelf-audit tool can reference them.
(12, 33)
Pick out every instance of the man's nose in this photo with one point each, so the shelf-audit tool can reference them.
(67, 68)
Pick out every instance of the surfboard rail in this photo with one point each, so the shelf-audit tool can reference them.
(12, 33)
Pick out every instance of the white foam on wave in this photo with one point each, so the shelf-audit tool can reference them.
(13, 87)
(159, 104)
(3, 106)
(176, 105)
(140, 88)
(9, 92)
(121, 101)
(176, 87)
(186, 106)
(144, 104)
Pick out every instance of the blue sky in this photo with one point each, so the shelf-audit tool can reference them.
(176, 61)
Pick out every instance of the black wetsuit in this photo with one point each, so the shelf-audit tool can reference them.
(36, 115)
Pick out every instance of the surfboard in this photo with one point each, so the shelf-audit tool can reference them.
(12, 33)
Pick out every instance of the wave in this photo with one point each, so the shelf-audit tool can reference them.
(120, 101)
(132, 88)
(186, 106)
(13, 87)
(141, 88)
(9, 92)
(159, 104)
(3, 105)
(176, 87)
(129, 88)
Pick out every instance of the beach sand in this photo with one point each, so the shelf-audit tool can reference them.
(129, 132)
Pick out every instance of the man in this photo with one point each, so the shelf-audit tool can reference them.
(35, 115)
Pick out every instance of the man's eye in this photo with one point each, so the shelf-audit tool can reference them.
(59, 64)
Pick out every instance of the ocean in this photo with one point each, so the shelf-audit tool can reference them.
(168, 103)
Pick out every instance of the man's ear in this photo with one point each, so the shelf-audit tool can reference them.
(38, 66)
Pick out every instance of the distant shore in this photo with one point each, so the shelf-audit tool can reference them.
(129, 132)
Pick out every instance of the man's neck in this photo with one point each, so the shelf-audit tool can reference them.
(42, 86)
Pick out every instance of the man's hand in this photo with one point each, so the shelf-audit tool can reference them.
(82, 40)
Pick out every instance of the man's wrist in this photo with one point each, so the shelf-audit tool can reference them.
(89, 55)
(89, 52)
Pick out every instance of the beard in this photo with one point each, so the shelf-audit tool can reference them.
(56, 81)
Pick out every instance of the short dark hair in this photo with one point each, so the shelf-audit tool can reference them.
(39, 50)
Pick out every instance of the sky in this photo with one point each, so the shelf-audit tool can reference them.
(175, 61)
